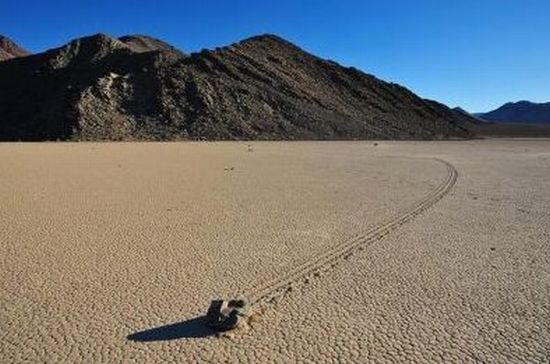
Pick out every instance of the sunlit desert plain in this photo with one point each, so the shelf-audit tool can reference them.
(348, 251)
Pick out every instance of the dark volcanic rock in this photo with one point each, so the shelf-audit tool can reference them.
(101, 88)
(520, 112)
(9, 49)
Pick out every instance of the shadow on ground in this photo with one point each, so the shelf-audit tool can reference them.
(193, 328)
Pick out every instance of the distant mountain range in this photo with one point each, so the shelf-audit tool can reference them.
(522, 112)
(137, 87)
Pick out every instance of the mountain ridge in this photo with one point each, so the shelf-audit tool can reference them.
(522, 112)
(136, 87)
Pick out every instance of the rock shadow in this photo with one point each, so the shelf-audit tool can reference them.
(192, 328)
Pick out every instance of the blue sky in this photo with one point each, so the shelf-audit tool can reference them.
(476, 54)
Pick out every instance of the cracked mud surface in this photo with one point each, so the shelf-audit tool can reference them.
(103, 241)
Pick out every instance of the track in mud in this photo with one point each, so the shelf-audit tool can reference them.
(269, 292)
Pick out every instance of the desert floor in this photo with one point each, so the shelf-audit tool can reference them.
(351, 252)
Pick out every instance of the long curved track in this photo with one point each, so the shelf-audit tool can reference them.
(267, 293)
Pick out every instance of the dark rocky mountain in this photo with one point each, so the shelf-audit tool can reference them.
(523, 112)
(9, 49)
(135, 87)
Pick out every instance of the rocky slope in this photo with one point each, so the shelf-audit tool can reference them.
(135, 87)
(9, 49)
(524, 112)
(144, 43)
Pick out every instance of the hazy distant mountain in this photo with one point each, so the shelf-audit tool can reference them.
(137, 87)
(9, 49)
(520, 112)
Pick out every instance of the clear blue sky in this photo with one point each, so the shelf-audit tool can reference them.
(476, 54)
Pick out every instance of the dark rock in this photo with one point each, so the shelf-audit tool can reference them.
(227, 315)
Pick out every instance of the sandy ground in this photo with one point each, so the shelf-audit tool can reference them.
(111, 252)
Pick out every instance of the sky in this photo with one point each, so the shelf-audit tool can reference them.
(474, 54)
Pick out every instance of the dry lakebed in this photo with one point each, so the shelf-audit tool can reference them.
(348, 251)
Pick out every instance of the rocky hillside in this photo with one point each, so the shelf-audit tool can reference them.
(9, 49)
(524, 112)
(136, 87)
(144, 43)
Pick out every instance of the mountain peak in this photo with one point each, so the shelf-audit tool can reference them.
(9, 49)
(268, 39)
(87, 49)
(520, 112)
(99, 39)
(518, 103)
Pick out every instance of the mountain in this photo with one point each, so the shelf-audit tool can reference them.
(460, 110)
(9, 49)
(135, 87)
(523, 112)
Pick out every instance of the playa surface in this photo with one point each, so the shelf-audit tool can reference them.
(404, 251)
